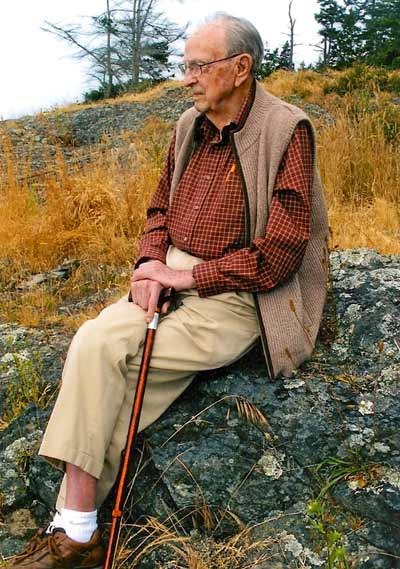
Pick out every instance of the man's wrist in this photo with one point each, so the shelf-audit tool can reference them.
(187, 279)
(140, 261)
(150, 254)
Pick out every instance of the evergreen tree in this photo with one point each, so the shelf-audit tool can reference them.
(330, 17)
(278, 58)
(359, 30)
(382, 33)
(350, 39)
(285, 57)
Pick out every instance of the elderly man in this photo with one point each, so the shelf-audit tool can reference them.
(238, 228)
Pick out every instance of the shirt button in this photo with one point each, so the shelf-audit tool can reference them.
(185, 238)
(196, 207)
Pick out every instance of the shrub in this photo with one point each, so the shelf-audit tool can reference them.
(121, 89)
(361, 77)
(305, 84)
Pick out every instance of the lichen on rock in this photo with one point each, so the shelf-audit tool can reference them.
(343, 405)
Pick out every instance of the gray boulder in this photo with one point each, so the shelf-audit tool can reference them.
(311, 463)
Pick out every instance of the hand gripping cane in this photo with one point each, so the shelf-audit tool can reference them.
(132, 431)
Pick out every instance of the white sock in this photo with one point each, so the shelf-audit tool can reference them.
(78, 526)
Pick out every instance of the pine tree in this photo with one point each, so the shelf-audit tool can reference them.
(359, 31)
(330, 18)
(278, 58)
(351, 36)
(382, 34)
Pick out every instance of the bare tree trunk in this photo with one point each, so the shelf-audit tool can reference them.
(109, 87)
(135, 41)
(140, 15)
(292, 24)
(130, 41)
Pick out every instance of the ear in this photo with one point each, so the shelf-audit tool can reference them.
(243, 66)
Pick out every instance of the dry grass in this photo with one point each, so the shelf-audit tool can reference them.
(376, 226)
(359, 160)
(94, 212)
(327, 88)
(190, 549)
(306, 84)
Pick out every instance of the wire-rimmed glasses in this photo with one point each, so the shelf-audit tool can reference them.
(197, 68)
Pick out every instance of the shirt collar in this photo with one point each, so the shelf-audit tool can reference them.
(206, 130)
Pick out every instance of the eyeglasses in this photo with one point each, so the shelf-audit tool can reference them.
(197, 68)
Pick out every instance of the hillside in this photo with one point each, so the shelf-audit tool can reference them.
(308, 467)
(77, 128)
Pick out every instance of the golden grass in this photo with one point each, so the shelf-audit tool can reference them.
(358, 155)
(95, 211)
(307, 84)
(359, 161)
(98, 209)
(319, 87)
(33, 308)
(375, 226)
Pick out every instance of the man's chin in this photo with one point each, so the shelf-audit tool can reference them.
(201, 106)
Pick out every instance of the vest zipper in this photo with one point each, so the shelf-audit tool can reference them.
(264, 340)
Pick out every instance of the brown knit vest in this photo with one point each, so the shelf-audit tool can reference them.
(290, 314)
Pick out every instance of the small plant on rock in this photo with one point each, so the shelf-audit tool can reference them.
(26, 385)
(320, 520)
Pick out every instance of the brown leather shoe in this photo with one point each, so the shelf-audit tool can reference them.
(57, 551)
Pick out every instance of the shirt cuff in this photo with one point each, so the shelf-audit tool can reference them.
(208, 278)
(150, 254)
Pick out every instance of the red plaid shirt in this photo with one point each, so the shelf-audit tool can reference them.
(206, 217)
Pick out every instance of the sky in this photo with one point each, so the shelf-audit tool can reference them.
(39, 72)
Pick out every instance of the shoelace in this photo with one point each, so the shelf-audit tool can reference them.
(42, 540)
(34, 544)
(53, 548)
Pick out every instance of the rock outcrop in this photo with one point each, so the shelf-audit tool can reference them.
(80, 132)
(312, 462)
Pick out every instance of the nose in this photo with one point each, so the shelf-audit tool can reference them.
(189, 78)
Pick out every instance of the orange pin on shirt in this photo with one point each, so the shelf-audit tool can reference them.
(231, 171)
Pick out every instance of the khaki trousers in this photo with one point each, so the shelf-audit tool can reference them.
(90, 419)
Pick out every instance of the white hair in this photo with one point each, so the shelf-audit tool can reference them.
(242, 36)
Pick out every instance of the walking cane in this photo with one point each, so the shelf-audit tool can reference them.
(132, 431)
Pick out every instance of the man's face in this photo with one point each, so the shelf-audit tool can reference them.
(214, 85)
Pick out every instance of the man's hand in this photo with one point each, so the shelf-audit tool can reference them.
(145, 293)
(166, 277)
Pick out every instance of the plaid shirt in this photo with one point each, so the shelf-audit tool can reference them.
(207, 215)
